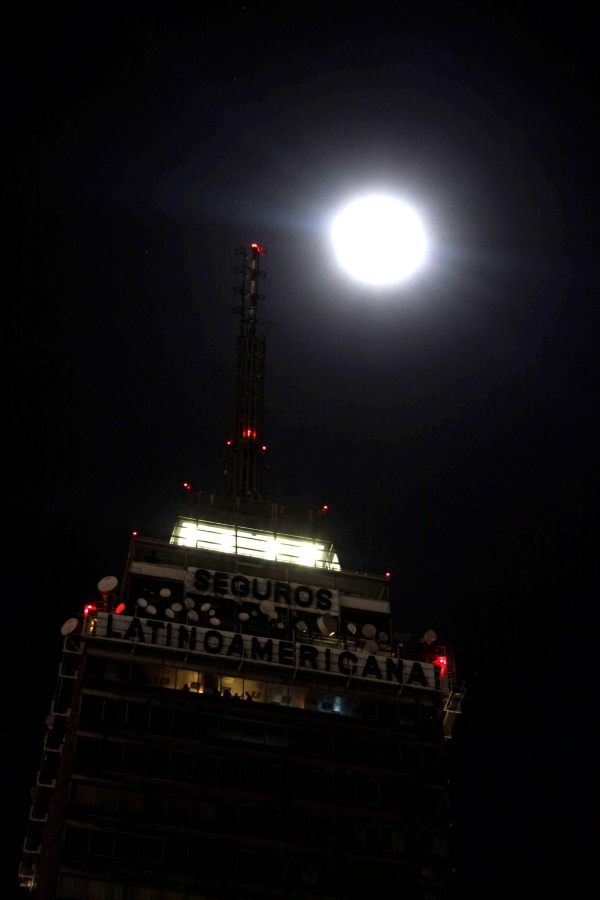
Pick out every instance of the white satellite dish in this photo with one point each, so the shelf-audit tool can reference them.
(165, 592)
(205, 607)
(371, 646)
(151, 610)
(192, 615)
(169, 614)
(243, 617)
(69, 626)
(301, 626)
(351, 627)
(108, 584)
(267, 607)
(189, 603)
(369, 631)
(142, 603)
(214, 621)
(176, 607)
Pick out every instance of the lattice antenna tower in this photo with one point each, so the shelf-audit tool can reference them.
(246, 444)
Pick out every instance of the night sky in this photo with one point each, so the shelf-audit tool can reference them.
(450, 424)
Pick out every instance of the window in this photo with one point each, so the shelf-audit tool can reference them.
(102, 843)
(151, 849)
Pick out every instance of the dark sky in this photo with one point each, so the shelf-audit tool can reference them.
(451, 423)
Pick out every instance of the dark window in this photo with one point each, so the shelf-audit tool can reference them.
(111, 754)
(102, 843)
(161, 719)
(182, 765)
(184, 723)
(155, 805)
(387, 713)
(157, 761)
(389, 753)
(95, 667)
(115, 712)
(92, 711)
(86, 752)
(229, 773)
(106, 798)
(253, 776)
(411, 758)
(179, 809)
(126, 846)
(76, 839)
(151, 849)
(134, 759)
(137, 716)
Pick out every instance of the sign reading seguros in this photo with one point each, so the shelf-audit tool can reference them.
(211, 583)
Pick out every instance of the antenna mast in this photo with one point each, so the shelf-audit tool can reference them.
(246, 447)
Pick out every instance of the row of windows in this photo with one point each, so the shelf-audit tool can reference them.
(382, 751)
(254, 866)
(73, 887)
(258, 777)
(245, 689)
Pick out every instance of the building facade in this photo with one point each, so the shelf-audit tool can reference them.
(239, 716)
(242, 725)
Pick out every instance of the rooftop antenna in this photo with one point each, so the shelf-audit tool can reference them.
(246, 447)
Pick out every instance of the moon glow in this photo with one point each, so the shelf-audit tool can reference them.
(379, 240)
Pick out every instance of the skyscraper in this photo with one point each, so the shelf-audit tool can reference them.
(240, 715)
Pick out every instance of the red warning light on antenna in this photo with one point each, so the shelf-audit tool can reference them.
(90, 607)
(259, 248)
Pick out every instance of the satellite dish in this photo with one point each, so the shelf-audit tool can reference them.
(69, 626)
(108, 584)
(327, 625)
(243, 617)
(192, 615)
(301, 626)
(151, 610)
(189, 603)
(383, 636)
(142, 603)
(280, 625)
(169, 613)
(205, 607)
(429, 637)
(211, 612)
(351, 627)
(368, 631)
(267, 607)
(214, 621)
(165, 592)
(371, 646)
(176, 607)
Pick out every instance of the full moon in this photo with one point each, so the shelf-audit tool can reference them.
(379, 240)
